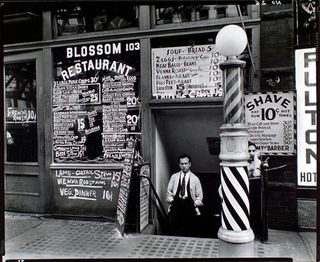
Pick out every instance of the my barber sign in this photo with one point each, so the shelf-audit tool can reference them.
(271, 122)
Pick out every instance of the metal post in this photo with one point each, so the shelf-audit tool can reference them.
(264, 213)
(235, 223)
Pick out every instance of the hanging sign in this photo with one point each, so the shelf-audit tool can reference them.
(186, 72)
(17, 115)
(270, 120)
(305, 60)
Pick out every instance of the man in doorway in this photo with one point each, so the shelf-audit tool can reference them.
(184, 194)
(254, 168)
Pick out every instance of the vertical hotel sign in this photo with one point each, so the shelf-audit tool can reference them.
(305, 61)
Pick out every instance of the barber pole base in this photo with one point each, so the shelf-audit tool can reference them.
(235, 236)
(235, 214)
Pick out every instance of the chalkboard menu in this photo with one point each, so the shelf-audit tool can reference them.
(186, 72)
(96, 102)
(89, 191)
(88, 184)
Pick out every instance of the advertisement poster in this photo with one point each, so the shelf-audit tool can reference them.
(270, 120)
(305, 60)
(186, 72)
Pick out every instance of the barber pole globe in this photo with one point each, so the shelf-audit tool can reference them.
(235, 215)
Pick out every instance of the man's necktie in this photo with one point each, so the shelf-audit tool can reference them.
(183, 185)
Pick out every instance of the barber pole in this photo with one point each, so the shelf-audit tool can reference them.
(235, 223)
(233, 101)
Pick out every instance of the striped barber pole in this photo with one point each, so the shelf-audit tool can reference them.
(234, 100)
(235, 193)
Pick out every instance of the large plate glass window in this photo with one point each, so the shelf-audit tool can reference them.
(166, 14)
(84, 17)
(95, 98)
(21, 112)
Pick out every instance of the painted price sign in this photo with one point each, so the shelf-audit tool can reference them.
(186, 72)
(271, 123)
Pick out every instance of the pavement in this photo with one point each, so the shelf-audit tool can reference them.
(32, 236)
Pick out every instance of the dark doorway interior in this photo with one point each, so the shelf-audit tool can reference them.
(190, 131)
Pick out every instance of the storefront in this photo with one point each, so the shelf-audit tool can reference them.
(95, 88)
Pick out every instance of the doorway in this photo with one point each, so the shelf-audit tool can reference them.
(194, 131)
(24, 133)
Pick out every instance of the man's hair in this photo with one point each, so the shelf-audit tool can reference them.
(184, 156)
(252, 144)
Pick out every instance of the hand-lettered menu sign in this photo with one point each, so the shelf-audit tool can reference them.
(125, 188)
(144, 196)
(186, 72)
(93, 191)
(88, 184)
(18, 115)
(95, 98)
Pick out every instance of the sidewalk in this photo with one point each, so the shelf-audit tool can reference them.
(32, 236)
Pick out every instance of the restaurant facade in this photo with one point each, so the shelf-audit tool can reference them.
(102, 97)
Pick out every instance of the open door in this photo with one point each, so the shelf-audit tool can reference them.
(24, 133)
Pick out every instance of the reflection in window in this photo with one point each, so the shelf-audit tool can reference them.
(21, 112)
(77, 19)
(190, 13)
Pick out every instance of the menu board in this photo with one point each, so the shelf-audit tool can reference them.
(144, 196)
(271, 122)
(88, 184)
(96, 102)
(125, 188)
(77, 94)
(186, 72)
(96, 189)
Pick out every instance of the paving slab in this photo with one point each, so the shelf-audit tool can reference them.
(17, 224)
(286, 244)
(57, 238)
(310, 240)
(50, 238)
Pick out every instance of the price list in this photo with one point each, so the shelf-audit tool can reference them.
(121, 115)
(66, 144)
(186, 72)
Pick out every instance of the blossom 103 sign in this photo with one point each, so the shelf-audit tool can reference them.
(305, 62)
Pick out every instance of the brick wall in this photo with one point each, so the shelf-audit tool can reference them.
(281, 193)
(277, 60)
(276, 47)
